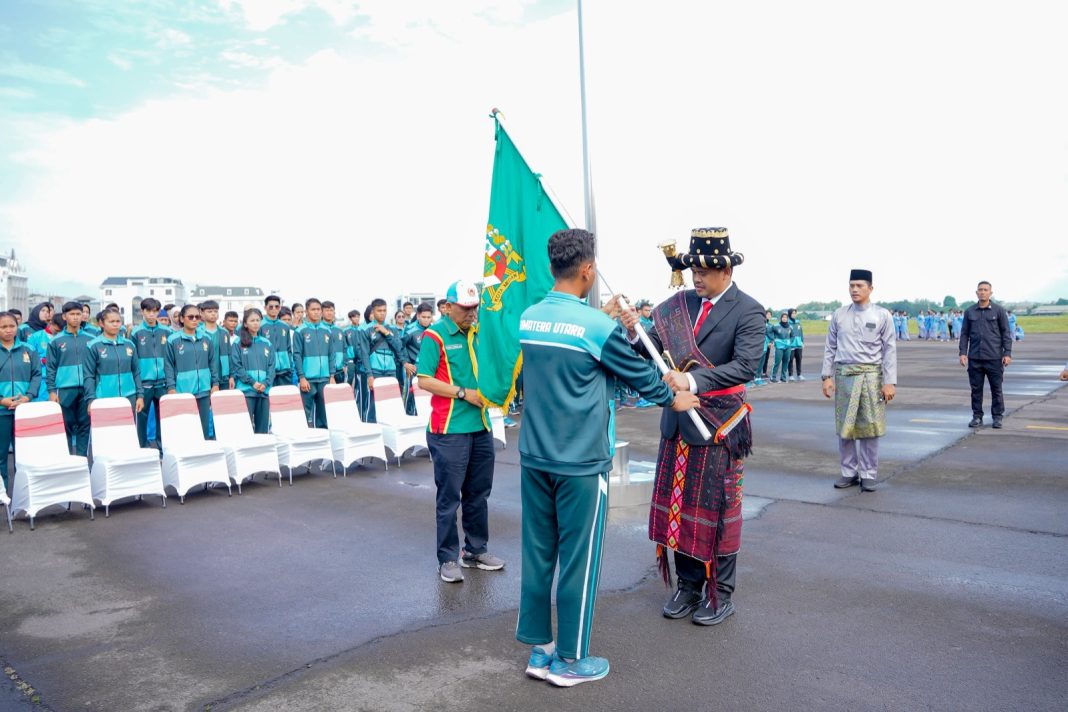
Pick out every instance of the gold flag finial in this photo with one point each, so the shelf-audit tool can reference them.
(670, 251)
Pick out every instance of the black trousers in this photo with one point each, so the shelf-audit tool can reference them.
(7, 439)
(283, 379)
(463, 473)
(795, 360)
(260, 412)
(75, 418)
(315, 403)
(691, 573)
(992, 371)
(766, 361)
(152, 395)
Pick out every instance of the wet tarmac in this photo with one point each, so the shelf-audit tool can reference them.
(945, 589)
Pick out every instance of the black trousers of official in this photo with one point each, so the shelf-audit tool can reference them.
(463, 473)
(691, 573)
(75, 418)
(990, 370)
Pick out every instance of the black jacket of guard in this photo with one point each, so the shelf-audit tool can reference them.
(732, 338)
(985, 333)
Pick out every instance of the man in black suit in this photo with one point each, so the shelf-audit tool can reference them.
(714, 335)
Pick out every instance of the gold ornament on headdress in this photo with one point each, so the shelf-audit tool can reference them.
(669, 250)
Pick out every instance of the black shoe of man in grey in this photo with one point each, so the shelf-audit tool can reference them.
(706, 615)
(867, 485)
(844, 482)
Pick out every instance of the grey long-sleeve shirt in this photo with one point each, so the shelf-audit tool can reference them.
(862, 335)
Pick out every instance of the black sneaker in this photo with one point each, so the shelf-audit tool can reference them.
(706, 615)
(844, 482)
(976, 422)
(867, 484)
(997, 424)
(682, 604)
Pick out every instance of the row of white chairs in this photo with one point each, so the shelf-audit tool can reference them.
(47, 475)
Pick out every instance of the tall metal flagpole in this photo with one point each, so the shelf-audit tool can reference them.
(587, 183)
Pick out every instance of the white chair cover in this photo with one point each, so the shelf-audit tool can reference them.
(188, 459)
(247, 453)
(297, 443)
(351, 439)
(121, 467)
(400, 431)
(45, 474)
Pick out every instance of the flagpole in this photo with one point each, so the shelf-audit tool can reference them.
(587, 183)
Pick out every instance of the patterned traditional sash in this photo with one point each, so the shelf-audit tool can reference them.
(859, 410)
(725, 410)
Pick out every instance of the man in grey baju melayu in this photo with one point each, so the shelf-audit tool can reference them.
(860, 372)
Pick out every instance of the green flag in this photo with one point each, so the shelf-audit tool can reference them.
(516, 271)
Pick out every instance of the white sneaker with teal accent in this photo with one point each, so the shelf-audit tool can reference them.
(538, 665)
(587, 669)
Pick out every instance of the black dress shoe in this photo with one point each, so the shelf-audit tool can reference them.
(867, 485)
(682, 604)
(976, 422)
(706, 615)
(844, 482)
(997, 424)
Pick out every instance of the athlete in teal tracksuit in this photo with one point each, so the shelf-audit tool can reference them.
(111, 367)
(279, 334)
(384, 350)
(150, 341)
(252, 358)
(39, 341)
(190, 366)
(314, 354)
(20, 378)
(65, 376)
(222, 340)
(572, 354)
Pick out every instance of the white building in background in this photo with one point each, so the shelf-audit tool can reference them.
(128, 292)
(14, 285)
(236, 299)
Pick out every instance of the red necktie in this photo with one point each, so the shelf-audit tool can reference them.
(705, 308)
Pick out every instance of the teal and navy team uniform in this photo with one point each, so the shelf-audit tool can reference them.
(151, 345)
(20, 375)
(357, 354)
(572, 353)
(221, 339)
(797, 344)
(337, 353)
(783, 337)
(65, 376)
(112, 370)
(279, 334)
(412, 341)
(92, 330)
(190, 366)
(383, 354)
(39, 342)
(314, 354)
(251, 365)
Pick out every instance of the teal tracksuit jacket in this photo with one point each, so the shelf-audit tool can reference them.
(572, 354)
(190, 365)
(337, 345)
(151, 345)
(65, 365)
(383, 352)
(112, 369)
(252, 364)
(279, 334)
(221, 339)
(314, 351)
(20, 374)
(39, 342)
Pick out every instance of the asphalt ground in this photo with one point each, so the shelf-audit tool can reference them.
(946, 589)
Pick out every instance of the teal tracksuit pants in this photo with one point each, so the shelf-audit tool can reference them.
(563, 521)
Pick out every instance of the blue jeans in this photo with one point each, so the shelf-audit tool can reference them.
(463, 474)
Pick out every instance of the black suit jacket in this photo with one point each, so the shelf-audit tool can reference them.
(732, 338)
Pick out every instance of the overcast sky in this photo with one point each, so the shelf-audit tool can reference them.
(343, 149)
